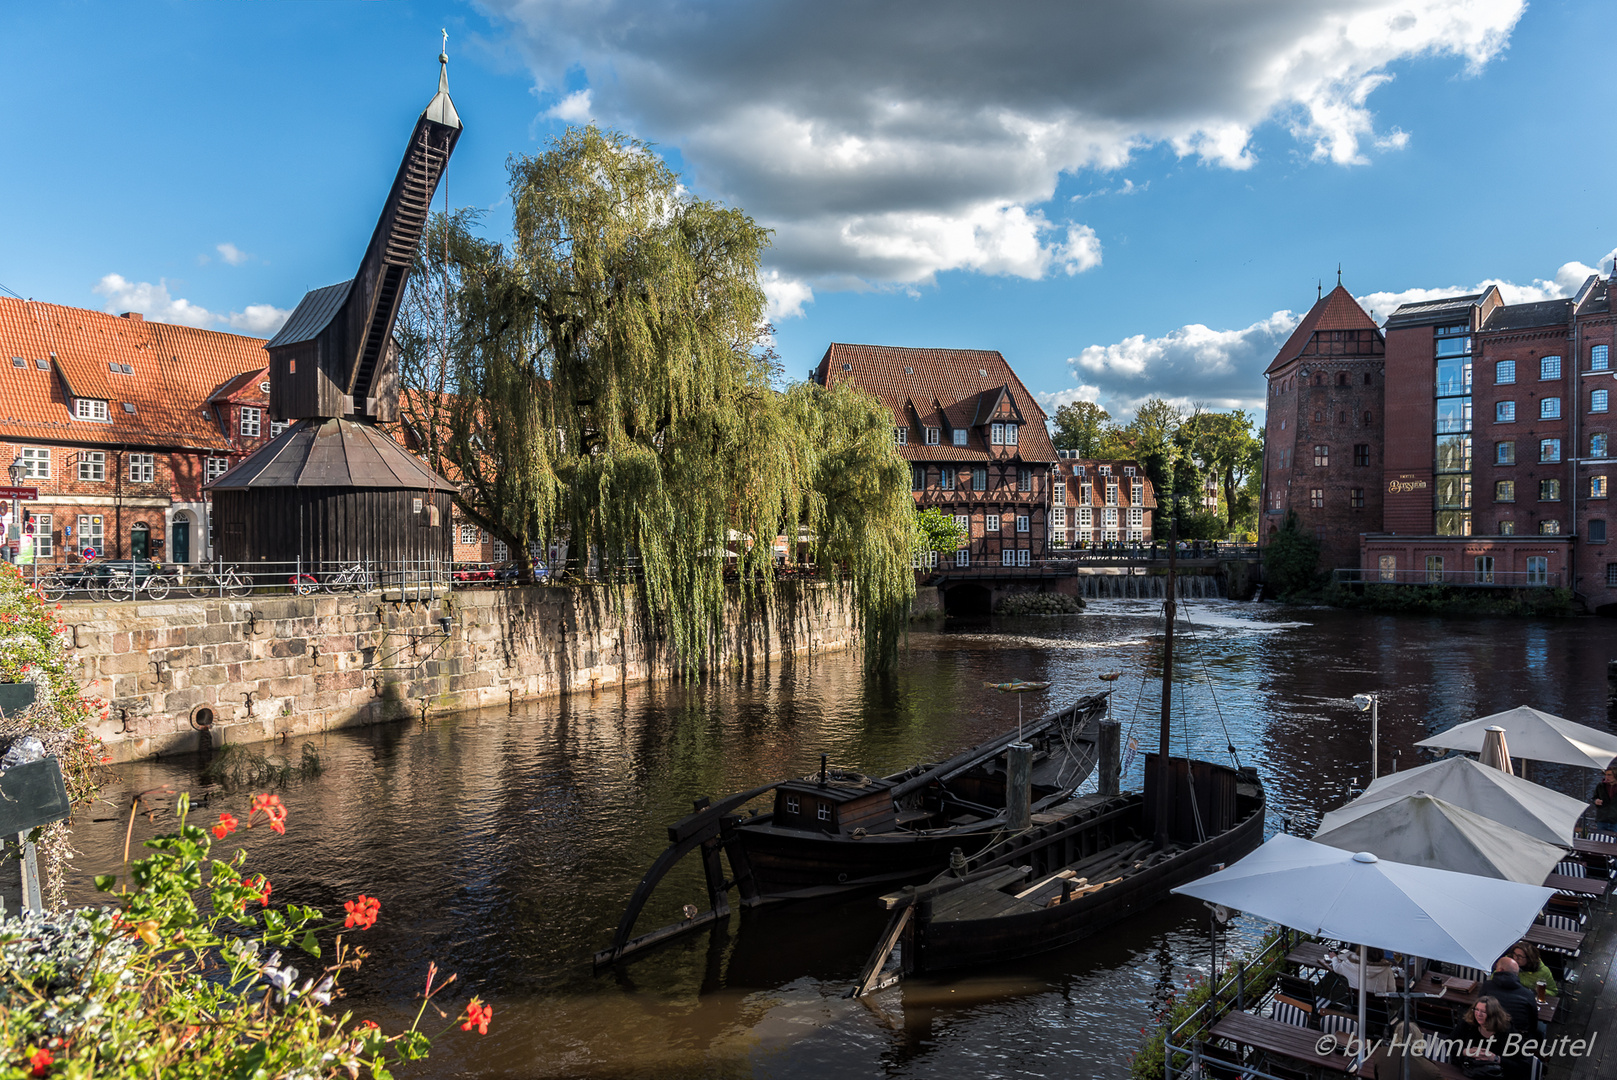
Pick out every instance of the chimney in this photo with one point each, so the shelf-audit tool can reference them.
(133, 316)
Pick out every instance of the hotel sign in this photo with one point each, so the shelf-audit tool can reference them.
(1403, 485)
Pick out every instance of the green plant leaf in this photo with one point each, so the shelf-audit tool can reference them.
(106, 882)
(309, 944)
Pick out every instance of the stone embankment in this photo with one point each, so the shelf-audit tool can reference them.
(179, 675)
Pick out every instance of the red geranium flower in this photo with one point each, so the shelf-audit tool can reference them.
(362, 912)
(41, 1060)
(477, 1016)
(270, 806)
(262, 884)
(227, 825)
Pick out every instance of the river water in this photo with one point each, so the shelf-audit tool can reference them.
(503, 844)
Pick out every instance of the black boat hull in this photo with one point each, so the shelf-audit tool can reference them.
(951, 944)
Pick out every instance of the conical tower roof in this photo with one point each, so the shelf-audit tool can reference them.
(331, 453)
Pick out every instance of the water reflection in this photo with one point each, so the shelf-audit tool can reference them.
(503, 844)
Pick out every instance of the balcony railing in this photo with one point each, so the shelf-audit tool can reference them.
(1473, 579)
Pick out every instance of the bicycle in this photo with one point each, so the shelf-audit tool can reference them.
(227, 581)
(356, 577)
(124, 585)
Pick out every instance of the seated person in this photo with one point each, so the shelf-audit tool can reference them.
(1482, 1033)
(1386, 1062)
(1533, 968)
(1380, 976)
(1506, 988)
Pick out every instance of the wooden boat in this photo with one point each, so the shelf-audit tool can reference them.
(837, 832)
(1094, 860)
(1071, 877)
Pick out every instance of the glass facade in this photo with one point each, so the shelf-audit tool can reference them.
(1452, 429)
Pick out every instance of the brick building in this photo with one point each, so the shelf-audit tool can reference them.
(120, 421)
(1099, 502)
(975, 439)
(1499, 444)
(1324, 433)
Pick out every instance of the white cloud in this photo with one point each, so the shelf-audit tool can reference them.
(786, 296)
(574, 108)
(887, 143)
(1224, 368)
(155, 302)
(232, 254)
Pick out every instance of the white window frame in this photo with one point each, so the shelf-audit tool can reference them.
(252, 419)
(1010, 434)
(142, 468)
(93, 409)
(1058, 516)
(932, 435)
(38, 462)
(901, 436)
(1022, 523)
(44, 538)
(1136, 535)
(502, 552)
(1085, 494)
(1111, 494)
(962, 557)
(964, 522)
(92, 466)
(1058, 492)
(996, 434)
(91, 525)
(991, 523)
(960, 436)
(1137, 492)
(1086, 518)
(277, 428)
(468, 534)
(1007, 557)
(1136, 518)
(215, 467)
(1109, 518)
(1024, 557)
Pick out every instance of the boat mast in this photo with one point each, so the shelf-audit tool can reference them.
(1169, 611)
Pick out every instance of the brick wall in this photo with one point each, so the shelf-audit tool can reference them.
(272, 666)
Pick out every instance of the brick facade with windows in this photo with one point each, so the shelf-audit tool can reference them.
(975, 439)
(118, 422)
(1098, 503)
(1323, 440)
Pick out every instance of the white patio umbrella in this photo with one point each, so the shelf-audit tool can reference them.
(1521, 804)
(1328, 892)
(1535, 735)
(1423, 830)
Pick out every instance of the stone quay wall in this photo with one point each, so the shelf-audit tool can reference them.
(180, 676)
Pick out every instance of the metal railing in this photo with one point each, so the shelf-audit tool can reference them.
(142, 579)
(1471, 579)
(1246, 983)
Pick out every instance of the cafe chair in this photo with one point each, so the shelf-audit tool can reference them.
(1289, 1010)
(1335, 1022)
(1535, 1069)
(1562, 922)
(1437, 1048)
(1433, 1015)
(1604, 838)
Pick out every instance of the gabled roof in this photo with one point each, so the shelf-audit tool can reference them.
(965, 383)
(1336, 310)
(243, 387)
(171, 373)
(313, 312)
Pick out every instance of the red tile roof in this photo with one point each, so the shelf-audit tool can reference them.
(1336, 310)
(173, 372)
(961, 385)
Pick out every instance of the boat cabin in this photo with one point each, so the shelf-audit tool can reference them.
(834, 808)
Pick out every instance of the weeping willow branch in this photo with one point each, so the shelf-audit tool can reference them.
(608, 381)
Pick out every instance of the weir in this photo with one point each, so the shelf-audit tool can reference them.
(1150, 586)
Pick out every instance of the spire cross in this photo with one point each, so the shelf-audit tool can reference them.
(443, 54)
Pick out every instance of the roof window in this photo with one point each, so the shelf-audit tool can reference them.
(43, 365)
(129, 407)
(908, 370)
(127, 369)
(90, 409)
(847, 367)
(120, 369)
(982, 371)
(17, 361)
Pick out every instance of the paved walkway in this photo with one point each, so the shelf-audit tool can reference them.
(1591, 1005)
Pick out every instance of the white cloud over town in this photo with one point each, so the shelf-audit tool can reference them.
(157, 304)
(933, 138)
(1224, 368)
(232, 254)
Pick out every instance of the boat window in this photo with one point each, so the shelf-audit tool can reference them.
(791, 804)
(825, 812)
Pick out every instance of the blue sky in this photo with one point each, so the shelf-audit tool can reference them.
(1124, 199)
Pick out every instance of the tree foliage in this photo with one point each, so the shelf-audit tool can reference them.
(1081, 426)
(937, 531)
(1225, 446)
(607, 380)
(1291, 559)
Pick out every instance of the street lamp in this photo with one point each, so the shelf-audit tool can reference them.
(1370, 703)
(19, 472)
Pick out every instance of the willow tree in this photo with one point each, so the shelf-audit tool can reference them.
(608, 381)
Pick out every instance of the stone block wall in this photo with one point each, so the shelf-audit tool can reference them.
(258, 668)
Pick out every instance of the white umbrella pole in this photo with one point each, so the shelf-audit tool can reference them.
(1363, 964)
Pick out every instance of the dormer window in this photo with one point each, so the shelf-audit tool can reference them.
(1106, 470)
(1010, 434)
(251, 421)
(996, 434)
(1128, 470)
(960, 436)
(932, 436)
(90, 409)
(901, 436)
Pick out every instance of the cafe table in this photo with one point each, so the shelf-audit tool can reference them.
(1310, 954)
(1462, 993)
(1595, 847)
(1577, 885)
(1299, 1043)
(1567, 941)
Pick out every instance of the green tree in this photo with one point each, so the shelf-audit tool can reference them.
(1151, 436)
(937, 531)
(607, 379)
(1291, 559)
(1225, 445)
(1081, 426)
